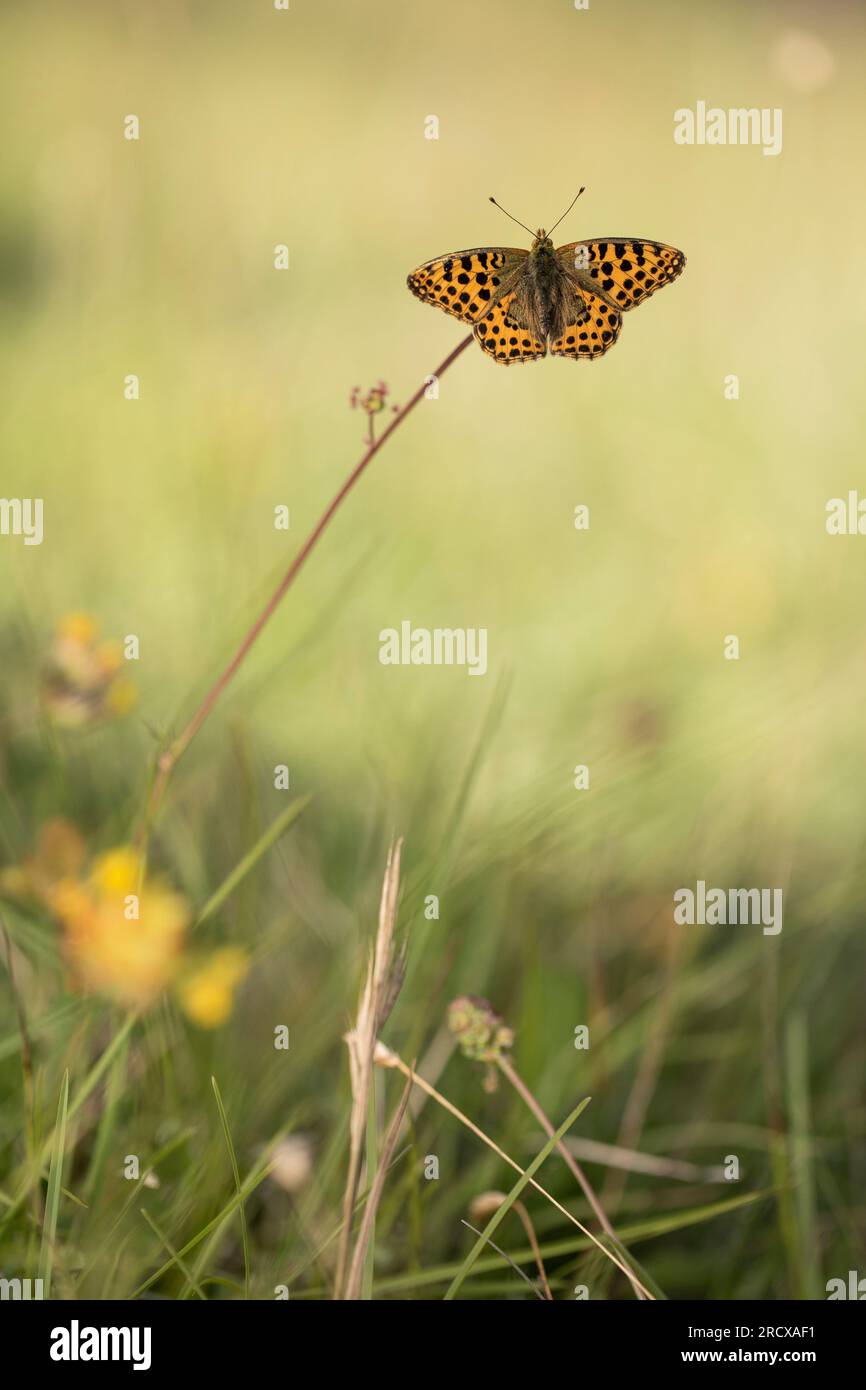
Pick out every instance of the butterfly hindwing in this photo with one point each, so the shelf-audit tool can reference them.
(503, 339)
(626, 272)
(595, 329)
(466, 283)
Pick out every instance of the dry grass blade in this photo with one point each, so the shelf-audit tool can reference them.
(504, 1207)
(353, 1284)
(510, 1072)
(544, 1297)
(614, 1156)
(488, 1202)
(386, 1057)
(381, 987)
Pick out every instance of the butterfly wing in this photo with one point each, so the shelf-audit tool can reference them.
(466, 283)
(595, 329)
(625, 273)
(503, 339)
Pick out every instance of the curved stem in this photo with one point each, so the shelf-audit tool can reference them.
(171, 755)
(520, 1086)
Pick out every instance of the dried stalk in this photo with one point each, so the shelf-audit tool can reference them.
(381, 987)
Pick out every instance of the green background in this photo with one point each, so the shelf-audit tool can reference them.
(605, 647)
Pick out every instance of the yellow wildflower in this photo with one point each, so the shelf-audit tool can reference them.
(60, 852)
(78, 628)
(122, 934)
(207, 994)
(82, 680)
(124, 931)
(117, 873)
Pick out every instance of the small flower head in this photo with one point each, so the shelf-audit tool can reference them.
(82, 682)
(292, 1164)
(483, 1036)
(485, 1205)
(373, 401)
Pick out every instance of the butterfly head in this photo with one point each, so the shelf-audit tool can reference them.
(542, 257)
(542, 243)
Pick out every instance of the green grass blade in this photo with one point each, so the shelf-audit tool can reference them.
(91, 1081)
(107, 1125)
(502, 1211)
(802, 1169)
(174, 1254)
(266, 841)
(245, 1237)
(257, 1176)
(405, 1284)
(109, 1238)
(52, 1197)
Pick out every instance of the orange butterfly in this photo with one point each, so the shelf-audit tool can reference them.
(573, 297)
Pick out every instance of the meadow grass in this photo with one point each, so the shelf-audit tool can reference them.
(707, 518)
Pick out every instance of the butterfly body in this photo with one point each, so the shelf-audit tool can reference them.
(543, 294)
(569, 299)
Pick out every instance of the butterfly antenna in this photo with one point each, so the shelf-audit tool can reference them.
(514, 219)
(567, 210)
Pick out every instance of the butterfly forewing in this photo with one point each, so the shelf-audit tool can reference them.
(625, 272)
(467, 283)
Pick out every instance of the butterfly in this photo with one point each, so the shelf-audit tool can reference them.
(572, 297)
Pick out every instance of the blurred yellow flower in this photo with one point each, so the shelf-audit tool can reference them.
(207, 994)
(123, 930)
(60, 853)
(77, 627)
(82, 680)
(117, 872)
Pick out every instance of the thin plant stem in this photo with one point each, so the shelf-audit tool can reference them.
(544, 1297)
(364, 1243)
(171, 755)
(526, 1223)
(640, 1095)
(26, 1067)
(381, 985)
(520, 1086)
(26, 1050)
(386, 1057)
